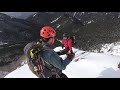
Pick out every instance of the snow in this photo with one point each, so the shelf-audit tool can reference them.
(90, 22)
(113, 48)
(3, 43)
(89, 65)
(34, 14)
(22, 72)
(14, 45)
(74, 14)
(56, 19)
(94, 65)
(58, 26)
(119, 15)
(82, 12)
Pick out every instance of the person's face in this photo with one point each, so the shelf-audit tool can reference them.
(51, 40)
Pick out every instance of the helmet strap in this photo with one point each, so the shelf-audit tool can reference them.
(45, 39)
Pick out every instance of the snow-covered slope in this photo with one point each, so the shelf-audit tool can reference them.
(113, 48)
(22, 72)
(85, 65)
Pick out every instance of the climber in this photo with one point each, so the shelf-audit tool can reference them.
(42, 59)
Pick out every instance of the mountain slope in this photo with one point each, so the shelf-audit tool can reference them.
(14, 34)
(90, 28)
(21, 15)
(92, 65)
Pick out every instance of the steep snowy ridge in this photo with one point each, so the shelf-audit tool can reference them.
(90, 65)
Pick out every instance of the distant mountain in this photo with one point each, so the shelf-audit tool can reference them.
(21, 15)
(14, 35)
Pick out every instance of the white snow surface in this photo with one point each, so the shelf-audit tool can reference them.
(89, 65)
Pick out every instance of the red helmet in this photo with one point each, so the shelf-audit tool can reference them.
(47, 32)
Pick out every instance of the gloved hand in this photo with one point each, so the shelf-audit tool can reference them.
(70, 56)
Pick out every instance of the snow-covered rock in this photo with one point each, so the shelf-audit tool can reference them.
(112, 48)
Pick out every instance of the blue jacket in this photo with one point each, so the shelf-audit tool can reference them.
(51, 56)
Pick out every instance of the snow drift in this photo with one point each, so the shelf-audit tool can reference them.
(84, 65)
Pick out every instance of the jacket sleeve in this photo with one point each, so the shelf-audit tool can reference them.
(53, 58)
(70, 45)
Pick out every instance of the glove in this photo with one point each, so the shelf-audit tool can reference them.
(70, 56)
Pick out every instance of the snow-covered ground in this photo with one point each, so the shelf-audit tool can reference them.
(22, 72)
(112, 49)
(88, 65)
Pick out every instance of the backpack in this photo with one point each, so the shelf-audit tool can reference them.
(36, 63)
(73, 40)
